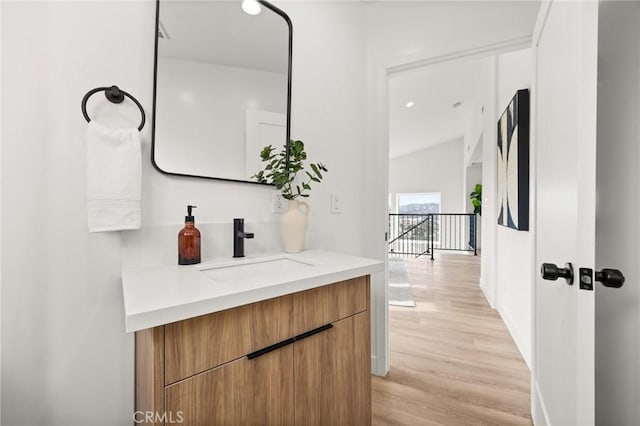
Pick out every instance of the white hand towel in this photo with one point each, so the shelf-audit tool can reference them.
(114, 178)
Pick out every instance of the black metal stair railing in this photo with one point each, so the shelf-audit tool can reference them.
(422, 234)
(409, 234)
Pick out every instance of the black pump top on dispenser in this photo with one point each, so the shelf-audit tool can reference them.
(189, 217)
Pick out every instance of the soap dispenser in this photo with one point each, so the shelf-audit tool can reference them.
(189, 241)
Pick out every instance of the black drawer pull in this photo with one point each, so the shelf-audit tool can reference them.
(279, 345)
(271, 348)
(312, 332)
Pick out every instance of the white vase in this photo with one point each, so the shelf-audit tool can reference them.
(293, 226)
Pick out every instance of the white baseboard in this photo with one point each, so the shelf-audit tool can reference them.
(538, 409)
(376, 370)
(486, 293)
(522, 344)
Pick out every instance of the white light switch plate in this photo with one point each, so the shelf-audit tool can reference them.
(336, 203)
(278, 203)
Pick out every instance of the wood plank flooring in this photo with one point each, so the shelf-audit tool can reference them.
(453, 361)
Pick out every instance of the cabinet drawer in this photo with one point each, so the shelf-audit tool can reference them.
(323, 305)
(198, 344)
(243, 392)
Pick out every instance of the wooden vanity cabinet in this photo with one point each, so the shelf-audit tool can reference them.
(333, 375)
(310, 362)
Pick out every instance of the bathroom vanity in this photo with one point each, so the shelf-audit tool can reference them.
(276, 340)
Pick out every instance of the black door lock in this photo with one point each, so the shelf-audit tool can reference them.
(586, 279)
(550, 271)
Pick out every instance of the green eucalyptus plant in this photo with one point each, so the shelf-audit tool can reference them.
(283, 175)
(476, 199)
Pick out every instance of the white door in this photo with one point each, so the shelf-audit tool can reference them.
(263, 128)
(564, 101)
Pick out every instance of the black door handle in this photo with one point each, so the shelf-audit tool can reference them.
(610, 277)
(550, 271)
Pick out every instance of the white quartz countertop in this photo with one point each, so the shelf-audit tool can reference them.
(161, 294)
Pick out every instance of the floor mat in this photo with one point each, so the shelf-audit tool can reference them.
(400, 293)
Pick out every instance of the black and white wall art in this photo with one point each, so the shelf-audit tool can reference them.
(513, 163)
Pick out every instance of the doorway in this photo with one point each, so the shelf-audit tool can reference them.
(451, 165)
(449, 152)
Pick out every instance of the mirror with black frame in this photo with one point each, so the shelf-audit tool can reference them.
(222, 87)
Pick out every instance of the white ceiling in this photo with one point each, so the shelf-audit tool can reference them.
(406, 31)
(219, 32)
(432, 120)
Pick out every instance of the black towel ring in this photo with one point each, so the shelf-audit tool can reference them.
(113, 94)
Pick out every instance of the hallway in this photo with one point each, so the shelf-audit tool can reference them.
(452, 358)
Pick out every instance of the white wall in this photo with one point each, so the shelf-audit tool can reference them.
(65, 357)
(475, 119)
(617, 226)
(513, 248)
(506, 253)
(202, 111)
(484, 126)
(327, 114)
(435, 169)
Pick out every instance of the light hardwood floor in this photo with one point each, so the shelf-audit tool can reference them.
(453, 361)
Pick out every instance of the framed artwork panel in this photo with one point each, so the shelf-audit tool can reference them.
(513, 163)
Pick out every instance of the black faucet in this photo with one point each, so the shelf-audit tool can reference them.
(238, 237)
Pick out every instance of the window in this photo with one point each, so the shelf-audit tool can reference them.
(420, 203)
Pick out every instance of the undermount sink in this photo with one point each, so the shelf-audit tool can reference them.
(252, 268)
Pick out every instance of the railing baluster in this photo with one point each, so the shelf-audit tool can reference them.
(403, 240)
(454, 231)
(455, 223)
(432, 248)
(411, 234)
(475, 235)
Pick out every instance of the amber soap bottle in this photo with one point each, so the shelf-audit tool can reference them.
(189, 241)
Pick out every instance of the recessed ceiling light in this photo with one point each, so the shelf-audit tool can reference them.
(410, 104)
(251, 7)
(457, 104)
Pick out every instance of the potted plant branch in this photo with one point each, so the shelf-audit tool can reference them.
(294, 182)
(476, 199)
